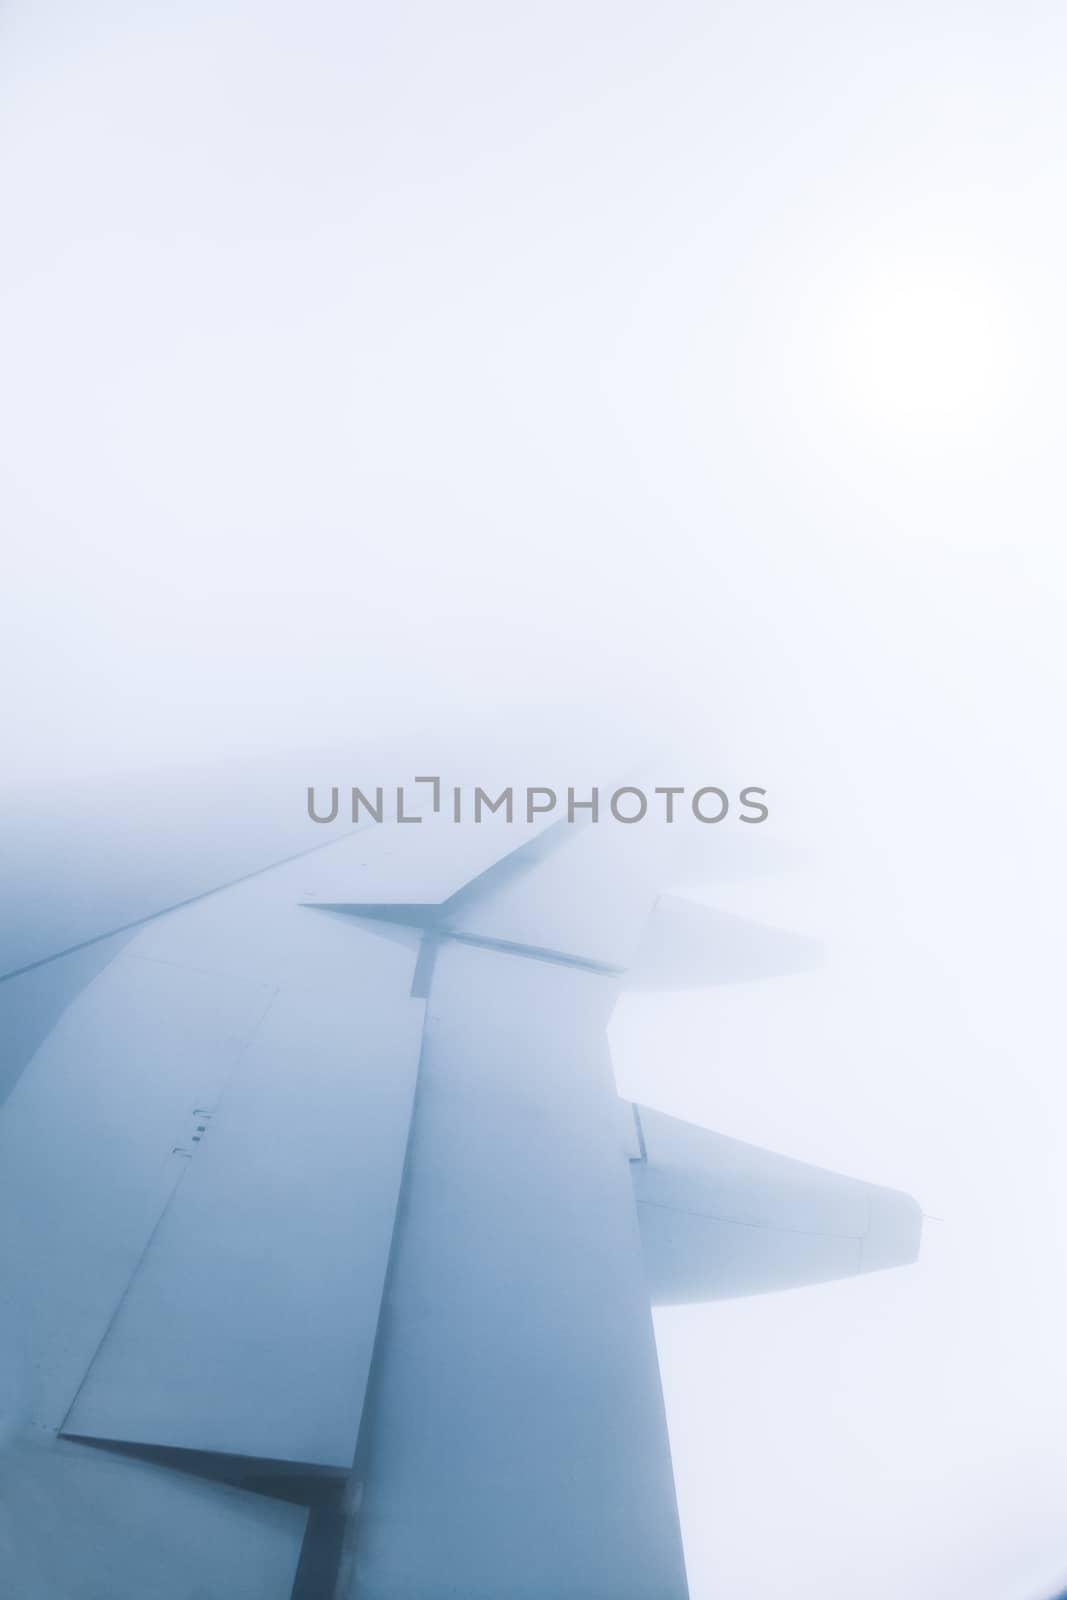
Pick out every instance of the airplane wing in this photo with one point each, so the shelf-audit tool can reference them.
(321, 1269)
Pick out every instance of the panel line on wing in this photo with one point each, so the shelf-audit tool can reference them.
(743, 1222)
(157, 1225)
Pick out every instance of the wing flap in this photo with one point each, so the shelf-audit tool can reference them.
(249, 1326)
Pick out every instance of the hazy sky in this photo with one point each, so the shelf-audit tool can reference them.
(692, 370)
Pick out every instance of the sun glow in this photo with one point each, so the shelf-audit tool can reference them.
(927, 353)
